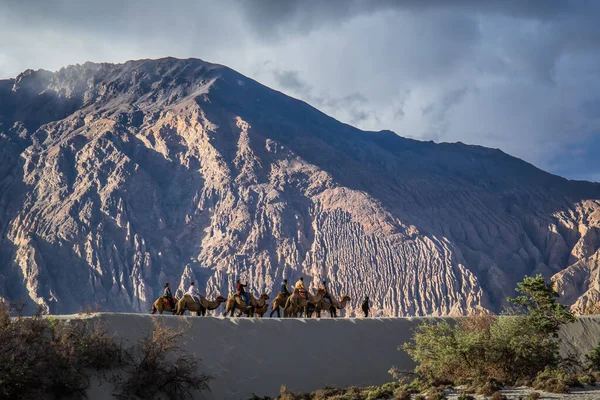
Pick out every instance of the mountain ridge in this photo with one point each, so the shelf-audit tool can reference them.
(151, 170)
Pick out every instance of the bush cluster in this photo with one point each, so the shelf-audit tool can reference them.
(45, 357)
(487, 352)
(50, 358)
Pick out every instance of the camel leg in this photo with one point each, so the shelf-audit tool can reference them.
(240, 313)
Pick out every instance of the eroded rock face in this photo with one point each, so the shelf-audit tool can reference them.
(117, 178)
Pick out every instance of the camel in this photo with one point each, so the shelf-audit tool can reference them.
(278, 302)
(162, 304)
(258, 312)
(332, 308)
(297, 304)
(237, 303)
(187, 303)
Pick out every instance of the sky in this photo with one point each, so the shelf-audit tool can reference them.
(521, 76)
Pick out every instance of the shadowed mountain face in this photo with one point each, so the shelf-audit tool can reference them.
(117, 178)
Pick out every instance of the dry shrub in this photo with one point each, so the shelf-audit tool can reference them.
(401, 395)
(51, 358)
(155, 365)
(555, 381)
(533, 396)
(47, 357)
(89, 310)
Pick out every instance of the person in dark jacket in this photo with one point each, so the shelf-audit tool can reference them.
(284, 288)
(365, 306)
(327, 295)
(167, 294)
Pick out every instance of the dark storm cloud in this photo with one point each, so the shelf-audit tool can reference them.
(513, 74)
(270, 16)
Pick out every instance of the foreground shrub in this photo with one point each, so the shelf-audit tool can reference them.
(555, 381)
(47, 357)
(481, 349)
(593, 358)
(155, 366)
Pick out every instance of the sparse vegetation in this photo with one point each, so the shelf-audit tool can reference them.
(533, 396)
(52, 358)
(488, 351)
(554, 380)
(43, 356)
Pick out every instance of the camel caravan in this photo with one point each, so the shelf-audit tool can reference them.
(296, 304)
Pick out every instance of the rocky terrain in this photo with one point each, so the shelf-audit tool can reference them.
(117, 178)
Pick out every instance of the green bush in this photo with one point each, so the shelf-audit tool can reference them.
(587, 379)
(488, 348)
(555, 381)
(401, 395)
(593, 358)
(533, 396)
(379, 393)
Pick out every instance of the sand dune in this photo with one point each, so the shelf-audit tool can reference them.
(257, 356)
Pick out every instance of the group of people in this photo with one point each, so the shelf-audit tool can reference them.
(240, 289)
(303, 292)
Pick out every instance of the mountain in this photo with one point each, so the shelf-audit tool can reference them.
(116, 178)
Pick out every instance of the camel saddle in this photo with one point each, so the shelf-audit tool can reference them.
(303, 294)
(166, 301)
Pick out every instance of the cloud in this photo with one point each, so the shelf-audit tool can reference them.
(517, 75)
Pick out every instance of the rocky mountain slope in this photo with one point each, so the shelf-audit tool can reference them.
(117, 178)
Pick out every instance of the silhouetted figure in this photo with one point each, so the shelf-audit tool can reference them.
(167, 294)
(365, 306)
(327, 295)
(284, 288)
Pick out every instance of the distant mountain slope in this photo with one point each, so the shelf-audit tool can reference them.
(117, 178)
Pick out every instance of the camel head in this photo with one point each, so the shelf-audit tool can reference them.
(264, 296)
(221, 299)
(346, 298)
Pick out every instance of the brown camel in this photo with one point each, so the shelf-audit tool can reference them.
(258, 312)
(187, 303)
(237, 303)
(162, 304)
(278, 303)
(332, 308)
(297, 304)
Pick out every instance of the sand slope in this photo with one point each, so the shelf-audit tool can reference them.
(257, 356)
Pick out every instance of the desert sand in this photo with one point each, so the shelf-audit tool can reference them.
(256, 356)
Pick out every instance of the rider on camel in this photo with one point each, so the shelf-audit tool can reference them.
(193, 291)
(327, 295)
(299, 286)
(167, 295)
(240, 290)
(284, 289)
